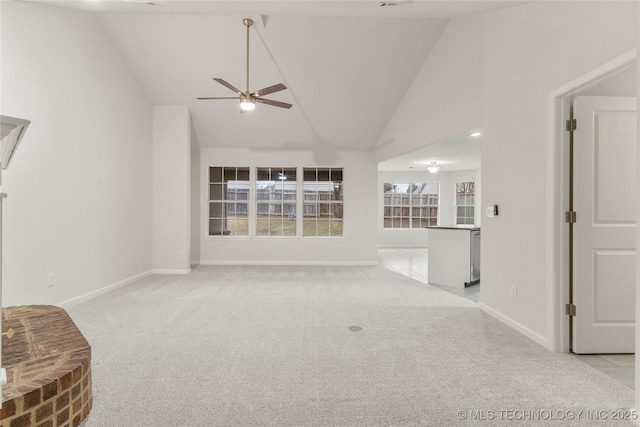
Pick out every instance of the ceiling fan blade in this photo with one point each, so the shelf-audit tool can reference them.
(228, 85)
(270, 89)
(217, 97)
(274, 103)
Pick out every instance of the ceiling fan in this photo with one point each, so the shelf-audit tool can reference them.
(248, 99)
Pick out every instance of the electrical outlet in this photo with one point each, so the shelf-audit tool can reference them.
(514, 291)
(180, 254)
(51, 280)
(341, 248)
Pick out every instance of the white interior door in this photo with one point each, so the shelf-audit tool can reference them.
(605, 146)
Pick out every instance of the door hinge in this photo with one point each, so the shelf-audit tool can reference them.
(571, 125)
(570, 217)
(570, 309)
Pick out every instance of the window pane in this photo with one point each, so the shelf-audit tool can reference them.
(322, 227)
(324, 210)
(216, 226)
(216, 192)
(215, 174)
(336, 227)
(243, 174)
(262, 225)
(229, 174)
(276, 185)
(309, 227)
(310, 175)
(469, 212)
(337, 192)
(289, 174)
(325, 186)
(323, 174)
(262, 174)
(228, 183)
(263, 192)
(216, 210)
(465, 200)
(338, 210)
(406, 204)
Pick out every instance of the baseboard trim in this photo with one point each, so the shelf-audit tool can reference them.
(295, 263)
(90, 295)
(161, 271)
(392, 246)
(515, 325)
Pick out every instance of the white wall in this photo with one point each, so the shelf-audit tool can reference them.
(194, 178)
(80, 183)
(507, 62)
(445, 99)
(404, 238)
(360, 219)
(171, 189)
(529, 51)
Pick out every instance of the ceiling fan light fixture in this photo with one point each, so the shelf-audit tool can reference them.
(433, 168)
(247, 98)
(247, 104)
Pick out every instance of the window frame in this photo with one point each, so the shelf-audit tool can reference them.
(221, 187)
(407, 210)
(274, 202)
(330, 202)
(253, 200)
(466, 191)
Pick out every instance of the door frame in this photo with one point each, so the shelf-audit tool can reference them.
(557, 234)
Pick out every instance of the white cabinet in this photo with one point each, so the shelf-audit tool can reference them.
(454, 256)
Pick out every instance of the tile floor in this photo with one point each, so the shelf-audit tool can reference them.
(412, 262)
(618, 366)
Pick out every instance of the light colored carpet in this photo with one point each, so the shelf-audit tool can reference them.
(271, 346)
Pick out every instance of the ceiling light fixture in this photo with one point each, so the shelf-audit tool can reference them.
(476, 134)
(434, 167)
(246, 103)
(248, 99)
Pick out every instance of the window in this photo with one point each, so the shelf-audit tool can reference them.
(228, 201)
(323, 202)
(412, 205)
(465, 203)
(276, 201)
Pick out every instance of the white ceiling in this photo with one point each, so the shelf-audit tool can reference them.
(347, 64)
(453, 154)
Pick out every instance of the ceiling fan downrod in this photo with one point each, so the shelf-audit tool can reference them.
(248, 99)
(247, 23)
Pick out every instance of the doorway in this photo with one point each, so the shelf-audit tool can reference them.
(616, 78)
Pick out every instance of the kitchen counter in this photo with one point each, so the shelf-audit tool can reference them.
(455, 228)
(454, 256)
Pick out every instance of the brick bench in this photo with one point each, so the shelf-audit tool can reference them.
(48, 364)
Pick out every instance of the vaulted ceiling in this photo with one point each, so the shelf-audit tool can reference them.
(347, 64)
